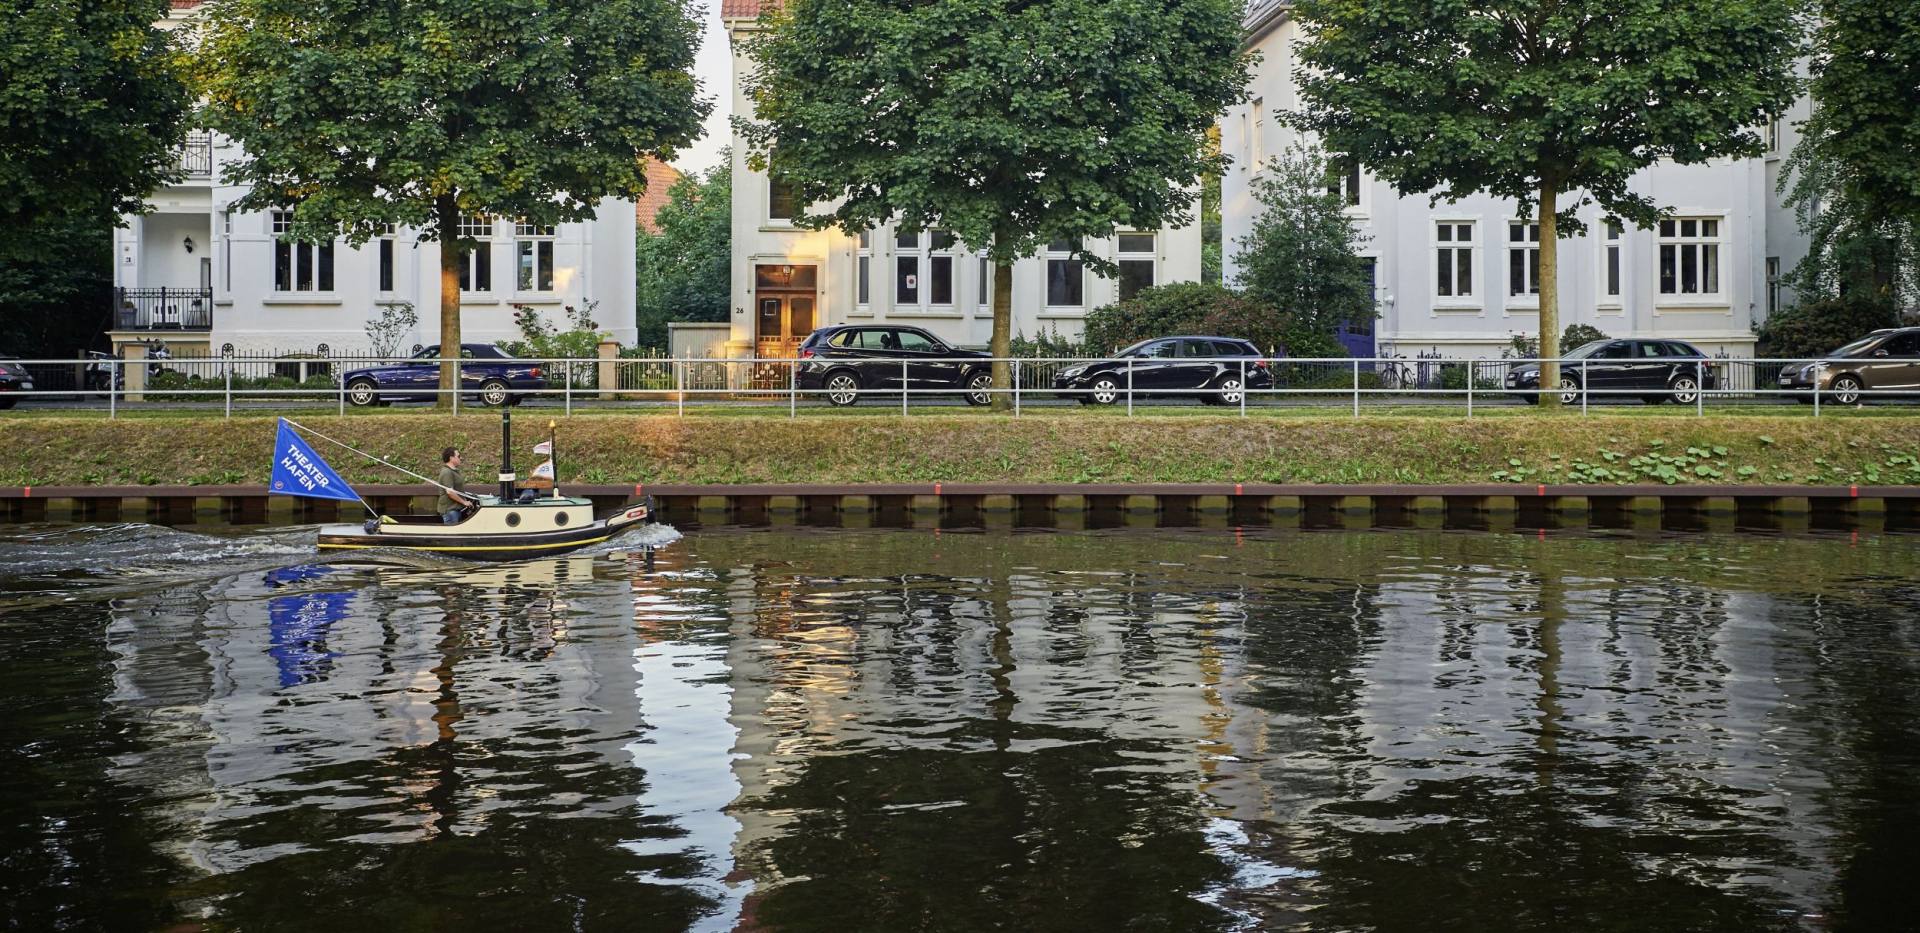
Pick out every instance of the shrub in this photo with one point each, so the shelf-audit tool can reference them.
(544, 341)
(1049, 342)
(1527, 346)
(1199, 308)
(1819, 327)
(394, 325)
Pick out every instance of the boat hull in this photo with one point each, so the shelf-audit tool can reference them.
(484, 536)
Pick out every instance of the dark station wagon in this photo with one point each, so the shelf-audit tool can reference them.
(1215, 370)
(848, 360)
(1652, 370)
(487, 373)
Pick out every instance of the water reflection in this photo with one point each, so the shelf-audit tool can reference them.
(852, 730)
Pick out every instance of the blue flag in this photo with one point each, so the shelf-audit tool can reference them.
(299, 471)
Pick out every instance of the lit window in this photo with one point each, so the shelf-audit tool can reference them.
(1690, 257)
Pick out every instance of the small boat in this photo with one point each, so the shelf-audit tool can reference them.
(516, 524)
(492, 530)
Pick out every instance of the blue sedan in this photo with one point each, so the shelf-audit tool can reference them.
(486, 373)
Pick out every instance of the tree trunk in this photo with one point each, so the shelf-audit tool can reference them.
(1001, 346)
(451, 255)
(1549, 297)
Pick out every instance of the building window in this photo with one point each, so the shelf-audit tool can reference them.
(1611, 279)
(1065, 275)
(1690, 257)
(476, 270)
(906, 269)
(1257, 140)
(226, 250)
(780, 200)
(1523, 259)
(1773, 135)
(533, 251)
(940, 268)
(384, 250)
(1343, 180)
(986, 284)
(1137, 263)
(1453, 259)
(863, 280)
(1773, 284)
(299, 267)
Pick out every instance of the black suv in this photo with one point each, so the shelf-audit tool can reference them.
(1655, 370)
(1884, 361)
(846, 360)
(1208, 368)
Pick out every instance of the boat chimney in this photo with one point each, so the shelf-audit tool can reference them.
(506, 454)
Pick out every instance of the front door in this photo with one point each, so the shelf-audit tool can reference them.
(785, 304)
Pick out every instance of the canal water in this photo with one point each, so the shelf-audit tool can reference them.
(835, 729)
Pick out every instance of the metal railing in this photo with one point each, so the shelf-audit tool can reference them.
(163, 308)
(1238, 384)
(194, 158)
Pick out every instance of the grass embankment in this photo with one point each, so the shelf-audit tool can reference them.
(1050, 448)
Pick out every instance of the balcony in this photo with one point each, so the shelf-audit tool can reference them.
(163, 308)
(194, 158)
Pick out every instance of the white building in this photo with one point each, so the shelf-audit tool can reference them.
(788, 281)
(1460, 278)
(198, 276)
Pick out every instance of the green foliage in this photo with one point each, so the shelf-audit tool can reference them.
(1853, 180)
(212, 388)
(391, 328)
(1453, 376)
(1301, 256)
(1212, 270)
(1049, 342)
(1180, 308)
(1011, 123)
(368, 114)
(683, 272)
(57, 300)
(93, 107)
(1819, 327)
(1527, 347)
(542, 340)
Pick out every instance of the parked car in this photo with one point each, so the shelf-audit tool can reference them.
(486, 373)
(1886, 360)
(1653, 370)
(1208, 368)
(13, 378)
(846, 360)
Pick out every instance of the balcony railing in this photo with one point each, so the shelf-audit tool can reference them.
(163, 308)
(195, 156)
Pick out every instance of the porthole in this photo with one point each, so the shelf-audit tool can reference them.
(513, 519)
(559, 518)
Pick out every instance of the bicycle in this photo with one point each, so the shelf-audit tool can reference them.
(1396, 375)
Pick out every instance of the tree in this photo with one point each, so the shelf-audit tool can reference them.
(1012, 123)
(1550, 103)
(1301, 255)
(56, 299)
(417, 112)
(684, 272)
(93, 107)
(1853, 180)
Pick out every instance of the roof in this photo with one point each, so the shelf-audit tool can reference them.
(745, 9)
(660, 180)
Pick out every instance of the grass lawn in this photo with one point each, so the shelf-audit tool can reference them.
(722, 444)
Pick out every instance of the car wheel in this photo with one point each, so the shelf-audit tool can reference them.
(843, 389)
(1105, 391)
(1569, 390)
(1846, 389)
(1228, 391)
(979, 388)
(363, 393)
(1685, 389)
(494, 392)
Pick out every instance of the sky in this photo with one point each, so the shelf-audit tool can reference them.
(713, 66)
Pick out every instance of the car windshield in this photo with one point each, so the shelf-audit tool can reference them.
(1858, 346)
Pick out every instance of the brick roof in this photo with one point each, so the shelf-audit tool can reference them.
(660, 179)
(185, 4)
(745, 9)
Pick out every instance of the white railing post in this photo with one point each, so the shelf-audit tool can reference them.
(456, 378)
(1699, 389)
(1016, 390)
(113, 387)
(340, 387)
(903, 388)
(1129, 387)
(1356, 388)
(680, 387)
(229, 390)
(1244, 388)
(1583, 388)
(793, 389)
(569, 390)
(1473, 376)
(1816, 389)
